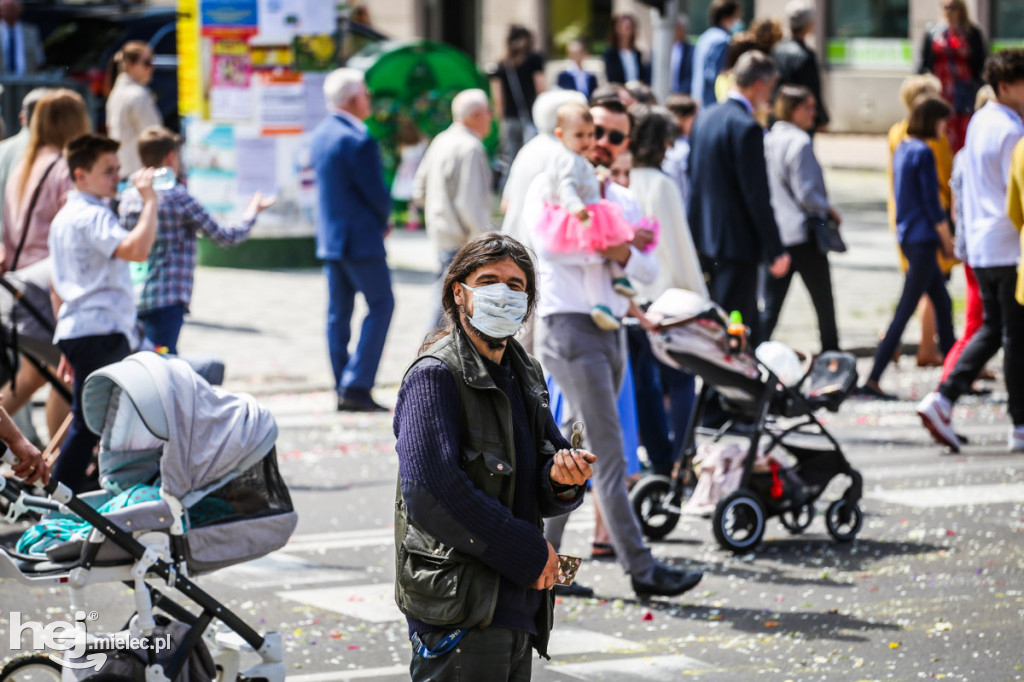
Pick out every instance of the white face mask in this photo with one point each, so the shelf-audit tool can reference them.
(498, 311)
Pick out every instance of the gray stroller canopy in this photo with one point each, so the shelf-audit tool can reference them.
(211, 436)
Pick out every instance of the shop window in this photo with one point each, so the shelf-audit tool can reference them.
(869, 34)
(1007, 24)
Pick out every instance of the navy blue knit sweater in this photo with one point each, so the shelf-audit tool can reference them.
(428, 419)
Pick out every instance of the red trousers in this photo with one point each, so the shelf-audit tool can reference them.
(973, 315)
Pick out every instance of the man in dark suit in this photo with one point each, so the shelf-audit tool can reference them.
(681, 61)
(730, 213)
(576, 77)
(352, 222)
(797, 63)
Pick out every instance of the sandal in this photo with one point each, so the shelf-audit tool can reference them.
(602, 550)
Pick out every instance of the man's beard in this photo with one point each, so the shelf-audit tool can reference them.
(600, 157)
(492, 342)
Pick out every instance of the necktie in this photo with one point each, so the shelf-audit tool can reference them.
(12, 62)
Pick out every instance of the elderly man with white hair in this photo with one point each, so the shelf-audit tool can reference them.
(453, 182)
(351, 224)
(533, 159)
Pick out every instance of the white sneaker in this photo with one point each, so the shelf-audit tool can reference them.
(1017, 439)
(935, 412)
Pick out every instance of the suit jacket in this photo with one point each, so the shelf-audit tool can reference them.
(567, 81)
(353, 202)
(684, 74)
(32, 45)
(616, 73)
(730, 209)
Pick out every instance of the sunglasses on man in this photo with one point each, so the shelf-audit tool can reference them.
(614, 136)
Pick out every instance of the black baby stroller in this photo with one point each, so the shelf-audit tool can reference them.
(191, 485)
(771, 412)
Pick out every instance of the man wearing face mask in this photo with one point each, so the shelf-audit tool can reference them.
(481, 461)
(588, 364)
(725, 17)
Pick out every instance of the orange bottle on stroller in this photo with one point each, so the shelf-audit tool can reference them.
(737, 332)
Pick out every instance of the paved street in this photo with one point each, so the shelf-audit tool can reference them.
(932, 588)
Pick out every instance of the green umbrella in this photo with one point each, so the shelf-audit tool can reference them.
(417, 81)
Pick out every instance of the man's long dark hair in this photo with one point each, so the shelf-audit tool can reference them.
(487, 248)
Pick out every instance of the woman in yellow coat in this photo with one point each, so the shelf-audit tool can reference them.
(928, 354)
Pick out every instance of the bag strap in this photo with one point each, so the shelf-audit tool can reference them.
(28, 213)
(517, 91)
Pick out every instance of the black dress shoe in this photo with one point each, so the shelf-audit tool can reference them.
(360, 405)
(667, 581)
(574, 590)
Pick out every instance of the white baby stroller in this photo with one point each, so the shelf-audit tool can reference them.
(208, 460)
(777, 408)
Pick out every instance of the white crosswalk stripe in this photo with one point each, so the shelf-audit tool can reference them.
(647, 669)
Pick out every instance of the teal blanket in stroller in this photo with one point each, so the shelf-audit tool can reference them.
(45, 534)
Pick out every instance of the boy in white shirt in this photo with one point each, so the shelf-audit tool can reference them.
(90, 252)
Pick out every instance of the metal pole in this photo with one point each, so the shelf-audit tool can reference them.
(664, 24)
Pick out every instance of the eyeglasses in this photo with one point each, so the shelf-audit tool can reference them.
(614, 136)
(148, 63)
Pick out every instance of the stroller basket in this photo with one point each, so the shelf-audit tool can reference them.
(247, 518)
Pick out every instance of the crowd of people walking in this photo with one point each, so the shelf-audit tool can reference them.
(609, 199)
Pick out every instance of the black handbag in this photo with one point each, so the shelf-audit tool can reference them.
(825, 233)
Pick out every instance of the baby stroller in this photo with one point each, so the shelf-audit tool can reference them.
(772, 413)
(207, 458)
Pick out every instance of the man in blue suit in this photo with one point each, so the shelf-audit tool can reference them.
(352, 222)
(730, 212)
(576, 77)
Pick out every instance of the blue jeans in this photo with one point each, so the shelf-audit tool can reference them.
(923, 277)
(651, 418)
(163, 325)
(86, 354)
(354, 373)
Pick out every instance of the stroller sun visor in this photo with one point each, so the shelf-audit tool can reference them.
(211, 435)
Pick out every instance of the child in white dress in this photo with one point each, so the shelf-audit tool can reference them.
(576, 217)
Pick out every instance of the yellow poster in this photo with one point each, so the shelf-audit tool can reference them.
(190, 75)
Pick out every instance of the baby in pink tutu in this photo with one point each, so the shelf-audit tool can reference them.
(575, 216)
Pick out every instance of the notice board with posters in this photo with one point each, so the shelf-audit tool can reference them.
(251, 76)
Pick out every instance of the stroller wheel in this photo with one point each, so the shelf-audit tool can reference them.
(739, 519)
(38, 668)
(843, 521)
(797, 520)
(650, 498)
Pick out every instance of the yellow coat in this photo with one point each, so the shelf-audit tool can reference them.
(1015, 208)
(943, 165)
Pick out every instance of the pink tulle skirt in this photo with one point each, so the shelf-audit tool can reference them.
(651, 223)
(561, 231)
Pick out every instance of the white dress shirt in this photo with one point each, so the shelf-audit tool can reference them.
(630, 65)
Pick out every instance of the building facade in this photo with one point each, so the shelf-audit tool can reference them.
(866, 47)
